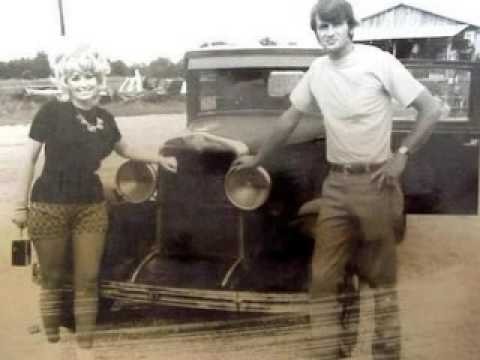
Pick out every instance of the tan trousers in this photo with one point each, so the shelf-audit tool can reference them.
(357, 228)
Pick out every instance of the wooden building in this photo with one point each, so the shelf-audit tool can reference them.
(411, 32)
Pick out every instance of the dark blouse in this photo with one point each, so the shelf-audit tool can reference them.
(73, 154)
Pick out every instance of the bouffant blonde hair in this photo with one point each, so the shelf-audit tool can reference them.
(82, 59)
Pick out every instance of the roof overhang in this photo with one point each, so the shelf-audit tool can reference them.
(266, 57)
(411, 32)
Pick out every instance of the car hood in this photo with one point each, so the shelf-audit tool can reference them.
(251, 130)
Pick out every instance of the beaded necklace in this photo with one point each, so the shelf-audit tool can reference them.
(88, 125)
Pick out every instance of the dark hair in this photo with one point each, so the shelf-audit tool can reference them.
(334, 12)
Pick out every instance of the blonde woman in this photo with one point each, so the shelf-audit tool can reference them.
(65, 208)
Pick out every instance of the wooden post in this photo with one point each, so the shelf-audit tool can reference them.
(451, 53)
(62, 23)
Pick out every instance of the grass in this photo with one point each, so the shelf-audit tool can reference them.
(16, 86)
(15, 110)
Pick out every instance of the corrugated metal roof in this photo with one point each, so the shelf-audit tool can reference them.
(407, 32)
(434, 13)
(404, 21)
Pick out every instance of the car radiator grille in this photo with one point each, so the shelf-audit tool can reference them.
(195, 217)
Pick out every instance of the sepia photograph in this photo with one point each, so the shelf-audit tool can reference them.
(220, 180)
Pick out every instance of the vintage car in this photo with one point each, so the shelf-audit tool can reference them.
(211, 238)
(49, 91)
(52, 91)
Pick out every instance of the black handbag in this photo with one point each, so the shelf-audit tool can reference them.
(21, 251)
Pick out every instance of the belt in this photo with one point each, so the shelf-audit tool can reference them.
(355, 168)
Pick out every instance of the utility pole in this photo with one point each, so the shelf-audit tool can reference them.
(62, 23)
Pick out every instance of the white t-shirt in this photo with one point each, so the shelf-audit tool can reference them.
(355, 96)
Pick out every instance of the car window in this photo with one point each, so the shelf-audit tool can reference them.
(281, 83)
(268, 89)
(244, 89)
(451, 86)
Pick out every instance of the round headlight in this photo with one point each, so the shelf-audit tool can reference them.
(136, 181)
(247, 189)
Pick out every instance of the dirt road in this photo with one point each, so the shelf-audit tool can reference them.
(439, 298)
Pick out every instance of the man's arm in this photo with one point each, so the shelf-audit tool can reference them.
(429, 110)
(283, 128)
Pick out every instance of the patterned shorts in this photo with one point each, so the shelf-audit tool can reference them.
(64, 220)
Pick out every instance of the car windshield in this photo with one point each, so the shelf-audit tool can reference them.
(254, 89)
(449, 85)
(245, 89)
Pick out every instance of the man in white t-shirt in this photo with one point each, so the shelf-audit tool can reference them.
(362, 201)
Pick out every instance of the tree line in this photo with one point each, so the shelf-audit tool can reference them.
(159, 68)
(26, 68)
(38, 67)
(163, 67)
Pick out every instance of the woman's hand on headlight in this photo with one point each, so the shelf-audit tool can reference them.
(169, 163)
(245, 162)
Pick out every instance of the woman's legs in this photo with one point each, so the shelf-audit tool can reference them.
(46, 226)
(88, 245)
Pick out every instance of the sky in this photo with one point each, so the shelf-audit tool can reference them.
(139, 31)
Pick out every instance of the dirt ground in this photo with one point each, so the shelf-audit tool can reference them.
(438, 265)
